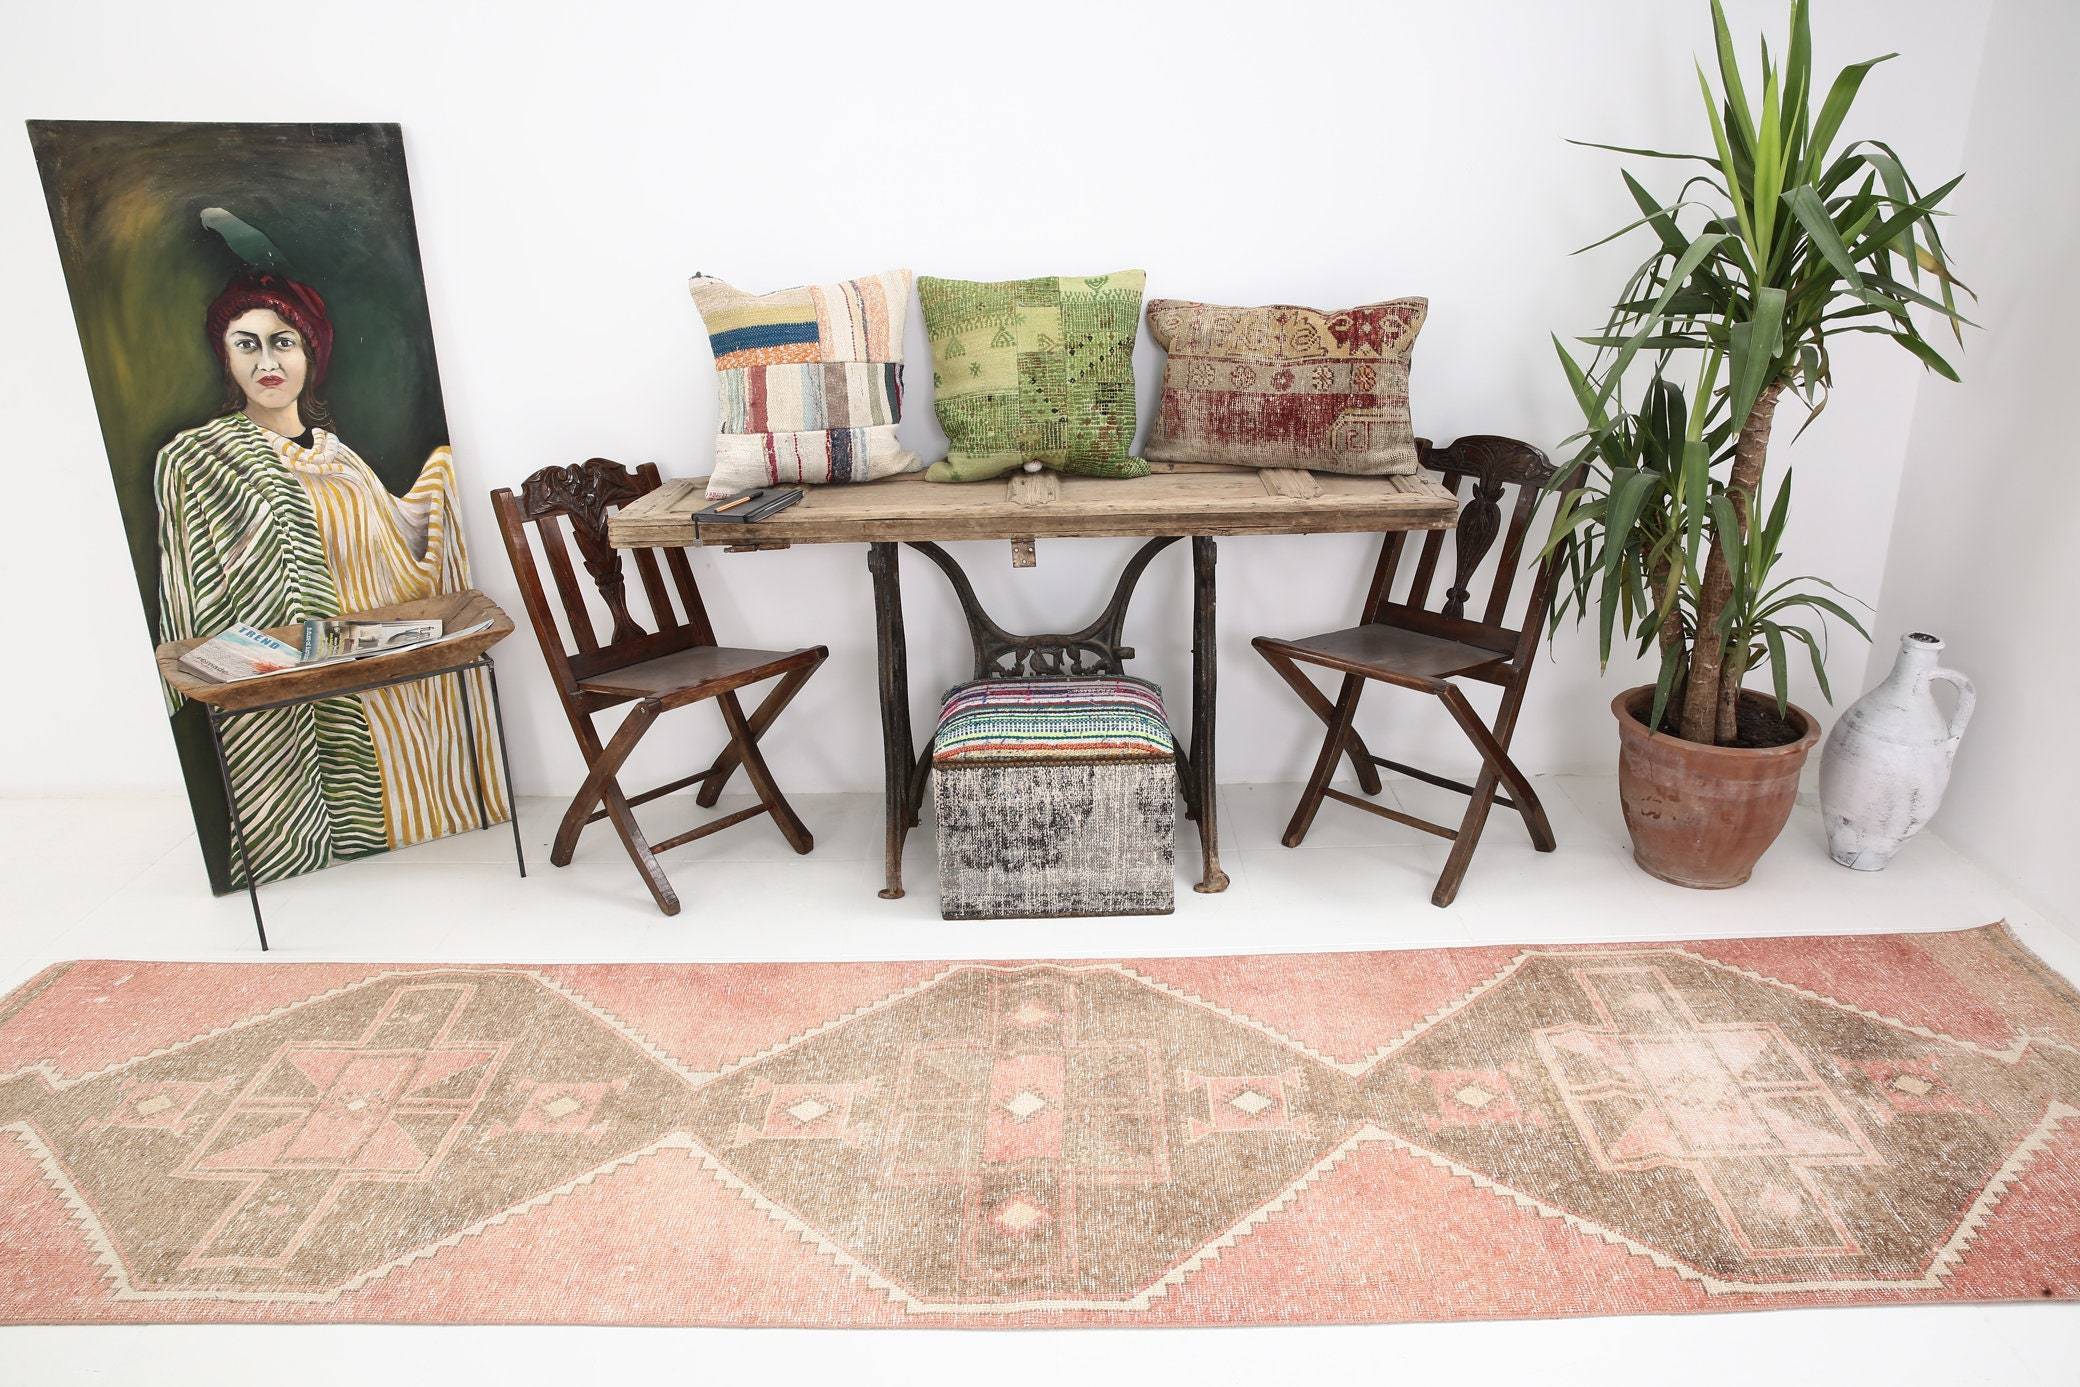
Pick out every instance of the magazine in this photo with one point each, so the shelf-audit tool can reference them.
(243, 652)
(330, 638)
(247, 652)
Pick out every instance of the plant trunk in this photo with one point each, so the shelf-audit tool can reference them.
(1731, 674)
(1670, 636)
(1714, 681)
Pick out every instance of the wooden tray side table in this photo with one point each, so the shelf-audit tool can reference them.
(226, 702)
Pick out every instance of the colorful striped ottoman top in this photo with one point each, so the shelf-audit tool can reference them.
(1102, 719)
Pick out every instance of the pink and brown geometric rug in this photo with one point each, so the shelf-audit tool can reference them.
(1434, 1134)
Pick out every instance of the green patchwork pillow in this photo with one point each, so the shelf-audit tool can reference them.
(1034, 370)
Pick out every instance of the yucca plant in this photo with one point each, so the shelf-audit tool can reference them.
(1778, 246)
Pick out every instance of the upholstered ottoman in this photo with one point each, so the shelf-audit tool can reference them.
(1055, 797)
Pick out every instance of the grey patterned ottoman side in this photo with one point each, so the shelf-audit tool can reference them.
(1052, 838)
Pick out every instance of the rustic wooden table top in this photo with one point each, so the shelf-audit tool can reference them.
(1178, 499)
(455, 609)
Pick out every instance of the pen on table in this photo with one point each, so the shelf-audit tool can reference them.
(744, 500)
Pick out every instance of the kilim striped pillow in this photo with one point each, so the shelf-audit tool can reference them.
(810, 379)
(1098, 719)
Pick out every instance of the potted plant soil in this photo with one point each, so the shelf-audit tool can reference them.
(1670, 527)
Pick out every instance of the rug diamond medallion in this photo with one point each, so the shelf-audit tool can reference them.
(1034, 1143)
(292, 1157)
(1048, 1135)
(1727, 1123)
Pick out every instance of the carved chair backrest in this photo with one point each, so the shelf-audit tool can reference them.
(567, 506)
(1493, 466)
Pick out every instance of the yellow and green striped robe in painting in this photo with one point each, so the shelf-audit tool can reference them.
(254, 528)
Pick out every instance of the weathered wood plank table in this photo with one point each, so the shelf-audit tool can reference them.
(1199, 502)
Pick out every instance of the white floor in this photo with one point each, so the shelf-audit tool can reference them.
(84, 879)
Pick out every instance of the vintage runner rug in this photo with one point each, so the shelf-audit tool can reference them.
(1320, 1138)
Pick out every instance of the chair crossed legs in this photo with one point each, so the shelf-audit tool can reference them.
(1404, 644)
(675, 665)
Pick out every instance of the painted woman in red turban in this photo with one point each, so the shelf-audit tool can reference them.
(267, 517)
(274, 340)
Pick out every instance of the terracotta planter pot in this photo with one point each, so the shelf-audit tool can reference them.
(1703, 815)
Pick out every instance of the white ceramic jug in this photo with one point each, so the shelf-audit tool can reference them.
(1887, 762)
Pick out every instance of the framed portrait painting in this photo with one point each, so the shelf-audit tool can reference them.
(253, 315)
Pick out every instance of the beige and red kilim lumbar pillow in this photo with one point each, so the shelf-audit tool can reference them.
(1286, 386)
(810, 381)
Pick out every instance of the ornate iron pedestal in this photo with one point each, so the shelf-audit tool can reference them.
(1000, 654)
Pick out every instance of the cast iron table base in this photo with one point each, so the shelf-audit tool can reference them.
(999, 654)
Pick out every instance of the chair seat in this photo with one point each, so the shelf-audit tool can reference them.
(998, 721)
(1387, 651)
(711, 668)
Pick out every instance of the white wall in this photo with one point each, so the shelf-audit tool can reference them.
(573, 164)
(1986, 541)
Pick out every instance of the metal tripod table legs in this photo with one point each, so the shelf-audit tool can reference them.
(218, 718)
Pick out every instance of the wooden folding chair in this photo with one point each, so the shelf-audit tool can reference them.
(677, 664)
(1406, 644)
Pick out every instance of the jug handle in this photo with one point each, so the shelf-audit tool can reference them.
(1967, 698)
